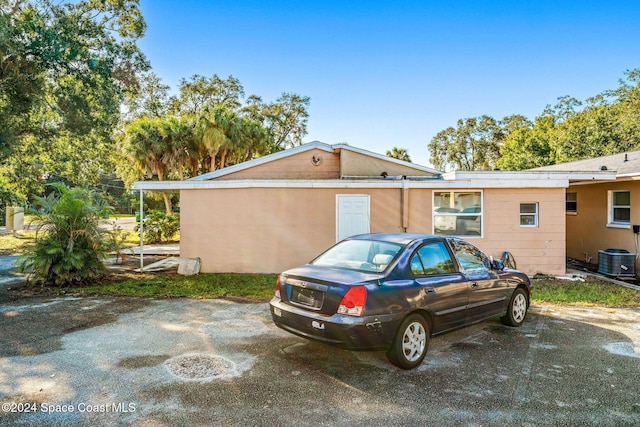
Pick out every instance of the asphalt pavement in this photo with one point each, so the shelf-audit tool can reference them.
(8, 273)
(120, 361)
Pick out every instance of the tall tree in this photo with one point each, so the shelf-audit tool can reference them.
(604, 124)
(148, 98)
(286, 121)
(148, 148)
(399, 153)
(626, 107)
(472, 145)
(64, 68)
(590, 133)
(182, 155)
(513, 123)
(211, 130)
(527, 148)
(199, 92)
(226, 136)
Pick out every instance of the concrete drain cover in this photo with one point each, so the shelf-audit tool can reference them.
(200, 367)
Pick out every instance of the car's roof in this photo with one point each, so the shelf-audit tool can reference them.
(400, 238)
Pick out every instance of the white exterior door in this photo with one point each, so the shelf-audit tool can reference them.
(352, 215)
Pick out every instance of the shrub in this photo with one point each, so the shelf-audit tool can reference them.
(69, 244)
(159, 226)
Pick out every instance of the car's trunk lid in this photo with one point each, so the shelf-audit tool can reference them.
(321, 289)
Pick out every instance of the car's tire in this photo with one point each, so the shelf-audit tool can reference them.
(517, 309)
(410, 343)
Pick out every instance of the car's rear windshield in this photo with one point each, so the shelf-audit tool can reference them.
(362, 255)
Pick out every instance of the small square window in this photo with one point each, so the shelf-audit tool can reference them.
(528, 214)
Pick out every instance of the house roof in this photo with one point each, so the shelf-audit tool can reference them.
(315, 145)
(624, 164)
(539, 178)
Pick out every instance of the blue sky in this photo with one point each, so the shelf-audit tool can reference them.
(383, 74)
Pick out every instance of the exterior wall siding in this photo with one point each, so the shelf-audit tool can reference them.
(587, 230)
(267, 230)
(540, 249)
(357, 164)
(297, 166)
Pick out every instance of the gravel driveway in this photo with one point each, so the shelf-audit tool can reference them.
(121, 361)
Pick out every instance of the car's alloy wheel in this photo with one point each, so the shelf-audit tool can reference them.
(410, 343)
(517, 310)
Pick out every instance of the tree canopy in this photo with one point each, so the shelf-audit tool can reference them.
(207, 126)
(78, 100)
(65, 68)
(399, 153)
(604, 124)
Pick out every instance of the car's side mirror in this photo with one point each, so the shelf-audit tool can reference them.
(497, 265)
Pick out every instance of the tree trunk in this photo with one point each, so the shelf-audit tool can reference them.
(223, 158)
(212, 164)
(167, 203)
(165, 196)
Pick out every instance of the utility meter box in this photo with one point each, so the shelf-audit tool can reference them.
(15, 218)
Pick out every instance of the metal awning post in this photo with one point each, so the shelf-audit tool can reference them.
(141, 231)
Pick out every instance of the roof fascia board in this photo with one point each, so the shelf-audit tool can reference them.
(358, 184)
(629, 175)
(530, 175)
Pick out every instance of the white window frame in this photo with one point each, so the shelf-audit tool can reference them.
(535, 214)
(610, 209)
(575, 200)
(458, 214)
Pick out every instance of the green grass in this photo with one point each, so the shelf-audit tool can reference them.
(260, 287)
(254, 287)
(592, 292)
(10, 245)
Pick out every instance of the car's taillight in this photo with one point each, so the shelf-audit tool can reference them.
(278, 287)
(353, 301)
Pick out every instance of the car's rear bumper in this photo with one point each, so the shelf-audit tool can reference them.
(349, 332)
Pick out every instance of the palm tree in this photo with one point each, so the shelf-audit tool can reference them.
(148, 148)
(69, 244)
(179, 136)
(399, 153)
(211, 132)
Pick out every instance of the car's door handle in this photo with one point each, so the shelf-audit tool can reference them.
(430, 290)
(474, 285)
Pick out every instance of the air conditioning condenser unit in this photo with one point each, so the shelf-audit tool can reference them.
(617, 263)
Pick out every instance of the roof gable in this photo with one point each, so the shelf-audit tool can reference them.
(317, 160)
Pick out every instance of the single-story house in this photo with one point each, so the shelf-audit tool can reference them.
(601, 214)
(281, 210)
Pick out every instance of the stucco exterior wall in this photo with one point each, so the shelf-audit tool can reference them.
(356, 164)
(297, 166)
(540, 249)
(536, 249)
(587, 230)
(260, 230)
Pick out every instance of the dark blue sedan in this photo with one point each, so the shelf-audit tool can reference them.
(392, 292)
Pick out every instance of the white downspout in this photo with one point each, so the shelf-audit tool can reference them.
(141, 231)
(405, 205)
